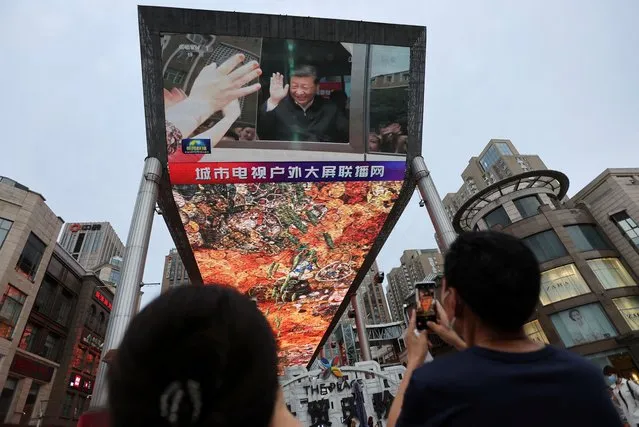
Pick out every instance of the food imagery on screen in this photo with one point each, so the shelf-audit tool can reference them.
(293, 247)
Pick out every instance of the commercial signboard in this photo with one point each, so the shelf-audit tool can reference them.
(283, 179)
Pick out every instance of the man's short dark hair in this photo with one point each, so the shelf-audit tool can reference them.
(306, 71)
(609, 370)
(496, 275)
(212, 335)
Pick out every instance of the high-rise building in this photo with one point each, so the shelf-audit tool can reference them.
(91, 243)
(416, 265)
(395, 293)
(499, 160)
(174, 272)
(372, 298)
(589, 299)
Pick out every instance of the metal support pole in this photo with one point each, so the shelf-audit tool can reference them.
(126, 295)
(443, 228)
(365, 348)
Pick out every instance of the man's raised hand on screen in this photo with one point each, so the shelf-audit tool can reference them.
(278, 90)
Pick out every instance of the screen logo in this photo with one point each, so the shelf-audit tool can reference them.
(196, 146)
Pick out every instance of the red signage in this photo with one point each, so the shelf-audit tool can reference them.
(326, 88)
(103, 300)
(74, 228)
(81, 383)
(32, 369)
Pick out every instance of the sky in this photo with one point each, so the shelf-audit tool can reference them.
(557, 78)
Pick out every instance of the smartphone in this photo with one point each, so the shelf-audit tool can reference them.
(426, 309)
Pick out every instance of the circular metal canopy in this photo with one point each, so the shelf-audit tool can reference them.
(550, 180)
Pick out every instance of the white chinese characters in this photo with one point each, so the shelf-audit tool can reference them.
(282, 172)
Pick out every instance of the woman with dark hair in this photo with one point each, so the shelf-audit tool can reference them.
(198, 356)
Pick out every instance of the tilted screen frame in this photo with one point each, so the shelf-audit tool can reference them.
(155, 21)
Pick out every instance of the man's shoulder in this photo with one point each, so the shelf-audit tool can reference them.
(445, 368)
(479, 362)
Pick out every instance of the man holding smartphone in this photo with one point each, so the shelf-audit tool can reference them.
(499, 377)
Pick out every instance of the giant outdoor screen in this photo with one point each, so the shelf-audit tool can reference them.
(286, 156)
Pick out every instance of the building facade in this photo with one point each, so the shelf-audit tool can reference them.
(44, 294)
(174, 272)
(372, 298)
(588, 285)
(91, 243)
(71, 311)
(397, 287)
(416, 266)
(28, 231)
(499, 160)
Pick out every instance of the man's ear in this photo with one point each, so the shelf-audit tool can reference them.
(458, 309)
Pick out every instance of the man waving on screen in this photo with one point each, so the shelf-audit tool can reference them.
(295, 113)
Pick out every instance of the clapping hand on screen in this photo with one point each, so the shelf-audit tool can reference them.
(278, 90)
(213, 89)
(232, 110)
(173, 96)
(216, 87)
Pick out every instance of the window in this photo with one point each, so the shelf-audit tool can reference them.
(115, 277)
(497, 217)
(534, 332)
(31, 256)
(562, 283)
(584, 324)
(78, 357)
(174, 76)
(101, 325)
(527, 206)
(88, 366)
(196, 38)
(494, 152)
(78, 243)
(29, 337)
(586, 237)
(626, 225)
(629, 309)
(51, 347)
(5, 226)
(610, 272)
(12, 302)
(91, 316)
(46, 297)
(7, 396)
(405, 77)
(66, 303)
(32, 396)
(546, 246)
(67, 405)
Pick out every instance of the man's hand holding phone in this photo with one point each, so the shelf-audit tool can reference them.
(444, 329)
(416, 344)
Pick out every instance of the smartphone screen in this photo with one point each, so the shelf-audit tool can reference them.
(425, 303)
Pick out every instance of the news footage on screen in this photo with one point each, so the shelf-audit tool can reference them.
(280, 90)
